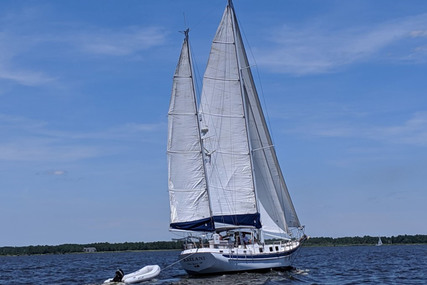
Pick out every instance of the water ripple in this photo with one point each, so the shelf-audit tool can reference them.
(317, 265)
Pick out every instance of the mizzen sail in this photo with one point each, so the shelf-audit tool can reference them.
(189, 201)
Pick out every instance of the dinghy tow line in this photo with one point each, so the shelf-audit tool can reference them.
(172, 264)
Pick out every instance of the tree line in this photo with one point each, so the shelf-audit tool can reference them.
(366, 240)
(170, 245)
(100, 247)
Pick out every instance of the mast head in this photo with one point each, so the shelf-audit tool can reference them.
(185, 32)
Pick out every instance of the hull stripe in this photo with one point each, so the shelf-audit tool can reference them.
(260, 256)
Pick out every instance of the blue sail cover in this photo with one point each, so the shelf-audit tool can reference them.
(250, 220)
(203, 225)
(207, 225)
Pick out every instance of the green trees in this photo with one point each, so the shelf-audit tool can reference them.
(102, 246)
(366, 240)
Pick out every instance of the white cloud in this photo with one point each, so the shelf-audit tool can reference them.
(317, 48)
(25, 77)
(53, 172)
(19, 41)
(11, 46)
(34, 149)
(119, 42)
(125, 132)
(412, 131)
(23, 139)
(419, 33)
(58, 172)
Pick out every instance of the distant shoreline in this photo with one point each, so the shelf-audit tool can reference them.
(90, 248)
(178, 245)
(366, 240)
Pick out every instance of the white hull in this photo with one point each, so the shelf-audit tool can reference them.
(146, 273)
(253, 257)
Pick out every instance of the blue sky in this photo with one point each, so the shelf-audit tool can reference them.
(84, 94)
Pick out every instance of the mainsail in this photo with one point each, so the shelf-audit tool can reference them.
(188, 194)
(224, 165)
(222, 110)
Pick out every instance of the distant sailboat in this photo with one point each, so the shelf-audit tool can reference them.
(226, 188)
(380, 242)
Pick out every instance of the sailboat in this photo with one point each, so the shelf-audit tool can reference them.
(226, 189)
(380, 242)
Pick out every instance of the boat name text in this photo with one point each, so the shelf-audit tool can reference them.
(189, 259)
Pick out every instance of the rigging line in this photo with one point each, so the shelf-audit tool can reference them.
(263, 152)
(256, 98)
(179, 260)
(195, 75)
(213, 162)
(185, 19)
(255, 65)
(206, 186)
(262, 148)
(242, 59)
(197, 27)
(205, 18)
(266, 115)
(216, 161)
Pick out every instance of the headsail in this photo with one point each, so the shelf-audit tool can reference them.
(189, 201)
(271, 188)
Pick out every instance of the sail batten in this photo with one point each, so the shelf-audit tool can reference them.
(224, 116)
(222, 79)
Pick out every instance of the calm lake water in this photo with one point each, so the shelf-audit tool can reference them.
(314, 265)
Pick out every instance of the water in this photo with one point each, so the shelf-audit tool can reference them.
(314, 265)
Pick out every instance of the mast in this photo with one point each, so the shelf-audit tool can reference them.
(245, 104)
(239, 46)
(198, 127)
